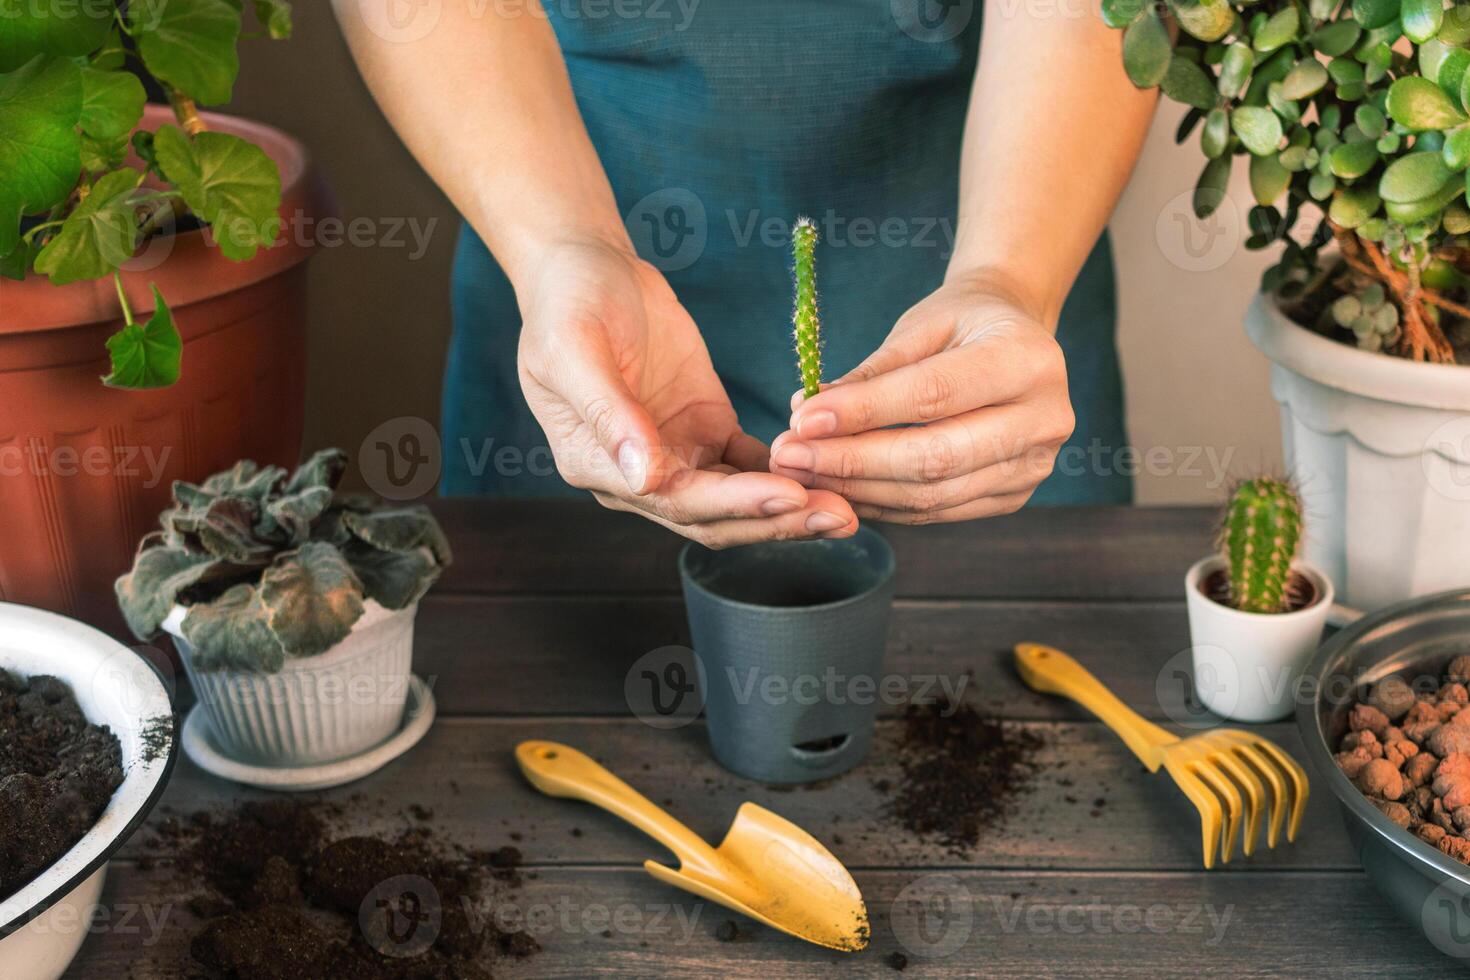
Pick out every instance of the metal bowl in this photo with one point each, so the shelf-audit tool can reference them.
(1414, 639)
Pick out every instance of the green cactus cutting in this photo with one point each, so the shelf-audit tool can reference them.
(807, 322)
(1259, 539)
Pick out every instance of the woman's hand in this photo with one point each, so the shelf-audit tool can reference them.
(618, 376)
(979, 384)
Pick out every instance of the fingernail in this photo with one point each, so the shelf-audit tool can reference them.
(823, 521)
(777, 505)
(795, 456)
(634, 466)
(817, 424)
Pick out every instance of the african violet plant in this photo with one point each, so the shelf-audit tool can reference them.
(71, 207)
(1259, 539)
(805, 320)
(271, 565)
(1355, 108)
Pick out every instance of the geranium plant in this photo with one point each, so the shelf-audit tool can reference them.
(271, 565)
(1352, 111)
(71, 207)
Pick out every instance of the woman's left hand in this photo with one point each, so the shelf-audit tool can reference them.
(980, 387)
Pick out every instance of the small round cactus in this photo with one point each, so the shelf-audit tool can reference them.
(805, 320)
(1370, 316)
(1259, 539)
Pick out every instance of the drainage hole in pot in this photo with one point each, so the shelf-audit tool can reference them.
(820, 746)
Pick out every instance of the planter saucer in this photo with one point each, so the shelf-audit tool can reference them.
(197, 740)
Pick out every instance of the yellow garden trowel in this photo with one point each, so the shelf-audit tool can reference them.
(767, 867)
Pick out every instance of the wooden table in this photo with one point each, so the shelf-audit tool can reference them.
(532, 632)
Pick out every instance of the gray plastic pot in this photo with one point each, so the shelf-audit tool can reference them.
(789, 640)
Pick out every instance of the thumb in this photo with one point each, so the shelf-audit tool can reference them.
(596, 389)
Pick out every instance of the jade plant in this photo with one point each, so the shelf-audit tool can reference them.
(1259, 539)
(806, 321)
(74, 204)
(1356, 113)
(271, 565)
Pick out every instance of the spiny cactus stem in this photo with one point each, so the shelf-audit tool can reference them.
(805, 320)
(1260, 537)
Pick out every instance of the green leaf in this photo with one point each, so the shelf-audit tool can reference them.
(312, 597)
(1304, 80)
(1269, 179)
(1352, 160)
(112, 103)
(190, 44)
(1258, 128)
(1457, 219)
(1118, 14)
(98, 236)
(228, 182)
(1335, 38)
(40, 151)
(1451, 74)
(147, 592)
(1421, 19)
(233, 632)
(99, 156)
(1208, 20)
(400, 529)
(1419, 104)
(1408, 212)
(1279, 30)
(1456, 151)
(1413, 177)
(323, 469)
(1235, 69)
(1352, 206)
(1370, 121)
(1187, 82)
(1214, 137)
(1210, 189)
(146, 355)
(275, 16)
(1146, 51)
(394, 579)
(1273, 69)
(1375, 13)
(1455, 30)
(63, 29)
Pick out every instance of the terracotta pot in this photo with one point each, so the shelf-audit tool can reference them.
(86, 469)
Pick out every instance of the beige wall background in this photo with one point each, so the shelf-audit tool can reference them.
(1199, 402)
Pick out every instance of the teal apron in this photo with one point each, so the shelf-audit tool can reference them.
(719, 122)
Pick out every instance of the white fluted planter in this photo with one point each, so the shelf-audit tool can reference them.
(315, 709)
(1381, 448)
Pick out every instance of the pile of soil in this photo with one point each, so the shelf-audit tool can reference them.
(57, 774)
(285, 899)
(962, 772)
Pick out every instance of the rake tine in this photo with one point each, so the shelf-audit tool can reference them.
(1208, 805)
(1268, 770)
(1255, 793)
(1226, 791)
(1298, 779)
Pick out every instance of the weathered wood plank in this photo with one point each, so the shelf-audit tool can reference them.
(465, 773)
(564, 655)
(620, 922)
(576, 547)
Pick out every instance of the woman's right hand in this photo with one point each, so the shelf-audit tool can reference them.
(616, 372)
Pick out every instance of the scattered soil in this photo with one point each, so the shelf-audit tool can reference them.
(1300, 592)
(57, 774)
(284, 898)
(1407, 748)
(962, 772)
(896, 961)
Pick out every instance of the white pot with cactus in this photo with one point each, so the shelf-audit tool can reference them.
(1256, 611)
(1354, 121)
(292, 607)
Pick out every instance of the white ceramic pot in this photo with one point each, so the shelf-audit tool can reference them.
(1247, 665)
(1381, 448)
(315, 709)
(43, 925)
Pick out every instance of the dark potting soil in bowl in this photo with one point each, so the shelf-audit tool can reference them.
(287, 899)
(57, 774)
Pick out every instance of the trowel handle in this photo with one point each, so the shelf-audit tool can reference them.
(560, 770)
